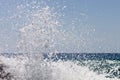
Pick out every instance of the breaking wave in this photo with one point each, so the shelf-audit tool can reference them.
(41, 34)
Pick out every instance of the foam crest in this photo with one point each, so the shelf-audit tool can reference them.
(71, 71)
(61, 70)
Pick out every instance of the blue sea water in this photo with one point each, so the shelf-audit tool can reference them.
(74, 56)
(85, 56)
(107, 64)
(100, 63)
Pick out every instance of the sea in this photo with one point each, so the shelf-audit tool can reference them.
(63, 66)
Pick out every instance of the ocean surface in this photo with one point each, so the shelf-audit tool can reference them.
(86, 56)
(66, 66)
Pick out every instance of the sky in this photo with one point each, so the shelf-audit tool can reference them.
(93, 25)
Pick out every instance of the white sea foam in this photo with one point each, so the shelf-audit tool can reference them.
(61, 70)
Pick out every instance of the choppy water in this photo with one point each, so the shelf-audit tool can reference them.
(62, 69)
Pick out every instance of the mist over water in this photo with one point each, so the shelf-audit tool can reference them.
(40, 30)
